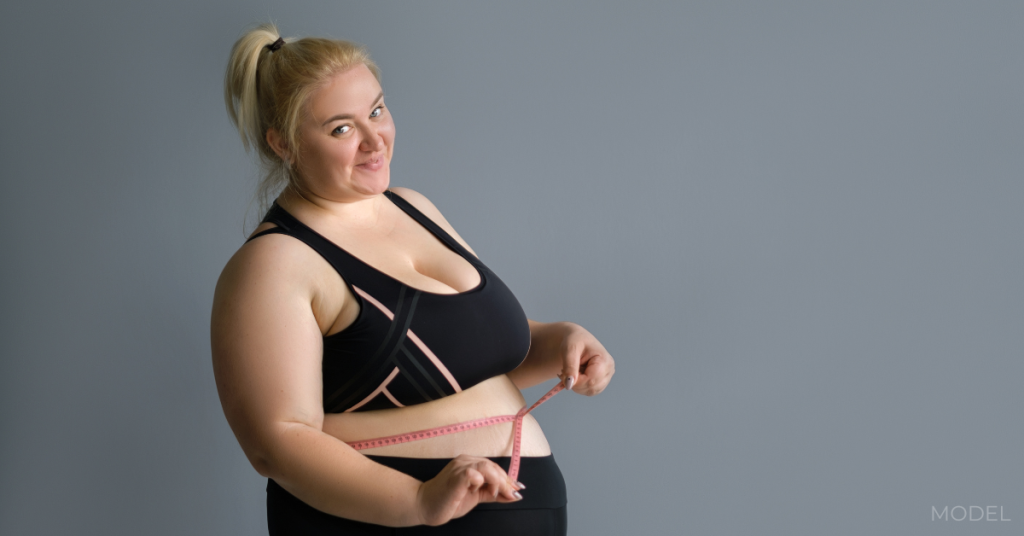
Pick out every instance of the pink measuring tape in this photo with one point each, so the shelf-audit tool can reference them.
(517, 431)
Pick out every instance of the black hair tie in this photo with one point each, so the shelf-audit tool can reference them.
(276, 44)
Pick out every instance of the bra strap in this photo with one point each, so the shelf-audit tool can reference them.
(287, 224)
(425, 221)
(272, 230)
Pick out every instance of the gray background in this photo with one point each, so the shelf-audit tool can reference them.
(796, 225)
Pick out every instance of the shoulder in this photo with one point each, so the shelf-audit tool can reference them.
(428, 209)
(272, 257)
(263, 274)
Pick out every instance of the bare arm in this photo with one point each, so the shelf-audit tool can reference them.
(266, 359)
(543, 362)
(569, 352)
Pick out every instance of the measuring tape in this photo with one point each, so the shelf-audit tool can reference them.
(517, 431)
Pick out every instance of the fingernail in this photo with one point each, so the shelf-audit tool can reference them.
(517, 495)
(569, 381)
(521, 485)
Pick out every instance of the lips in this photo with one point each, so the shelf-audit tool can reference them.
(373, 164)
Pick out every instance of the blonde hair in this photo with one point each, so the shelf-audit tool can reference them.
(265, 88)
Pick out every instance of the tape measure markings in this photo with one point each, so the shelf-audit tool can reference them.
(517, 431)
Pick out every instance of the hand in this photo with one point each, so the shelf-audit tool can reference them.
(465, 482)
(586, 366)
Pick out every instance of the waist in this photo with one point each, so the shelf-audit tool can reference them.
(545, 483)
(494, 397)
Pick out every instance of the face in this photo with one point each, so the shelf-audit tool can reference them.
(346, 138)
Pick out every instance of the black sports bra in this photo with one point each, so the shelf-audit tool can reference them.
(409, 346)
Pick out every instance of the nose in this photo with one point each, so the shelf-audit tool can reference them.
(372, 140)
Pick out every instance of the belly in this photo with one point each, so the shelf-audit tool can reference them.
(490, 398)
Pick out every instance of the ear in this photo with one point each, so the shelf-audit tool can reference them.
(278, 144)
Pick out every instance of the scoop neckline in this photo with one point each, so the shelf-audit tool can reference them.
(479, 271)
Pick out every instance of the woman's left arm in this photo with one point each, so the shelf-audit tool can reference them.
(565, 350)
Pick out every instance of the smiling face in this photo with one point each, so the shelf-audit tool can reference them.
(346, 138)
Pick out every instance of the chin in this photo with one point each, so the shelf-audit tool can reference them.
(374, 185)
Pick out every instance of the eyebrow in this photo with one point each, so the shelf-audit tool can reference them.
(349, 116)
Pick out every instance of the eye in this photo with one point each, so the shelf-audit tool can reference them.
(377, 111)
(341, 130)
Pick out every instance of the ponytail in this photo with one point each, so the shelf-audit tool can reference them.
(240, 92)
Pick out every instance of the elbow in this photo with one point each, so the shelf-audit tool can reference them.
(259, 459)
(262, 465)
(270, 455)
(258, 449)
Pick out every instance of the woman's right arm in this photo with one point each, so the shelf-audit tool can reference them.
(266, 359)
(267, 351)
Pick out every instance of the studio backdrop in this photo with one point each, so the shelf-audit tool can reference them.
(797, 226)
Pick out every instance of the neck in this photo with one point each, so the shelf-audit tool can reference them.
(362, 212)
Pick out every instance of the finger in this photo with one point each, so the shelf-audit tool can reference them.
(501, 484)
(594, 375)
(571, 364)
(483, 488)
(599, 371)
(584, 375)
(473, 480)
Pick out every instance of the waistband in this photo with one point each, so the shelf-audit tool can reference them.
(545, 486)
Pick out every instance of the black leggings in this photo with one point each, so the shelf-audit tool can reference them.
(541, 512)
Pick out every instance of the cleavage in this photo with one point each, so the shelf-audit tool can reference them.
(418, 251)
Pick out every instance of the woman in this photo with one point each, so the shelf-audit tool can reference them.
(356, 311)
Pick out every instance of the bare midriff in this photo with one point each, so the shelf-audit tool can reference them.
(490, 398)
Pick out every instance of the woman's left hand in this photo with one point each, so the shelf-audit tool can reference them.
(586, 366)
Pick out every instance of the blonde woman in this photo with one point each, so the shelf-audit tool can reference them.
(356, 312)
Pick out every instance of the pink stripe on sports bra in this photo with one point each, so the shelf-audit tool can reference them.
(517, 431)
(416, 340)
